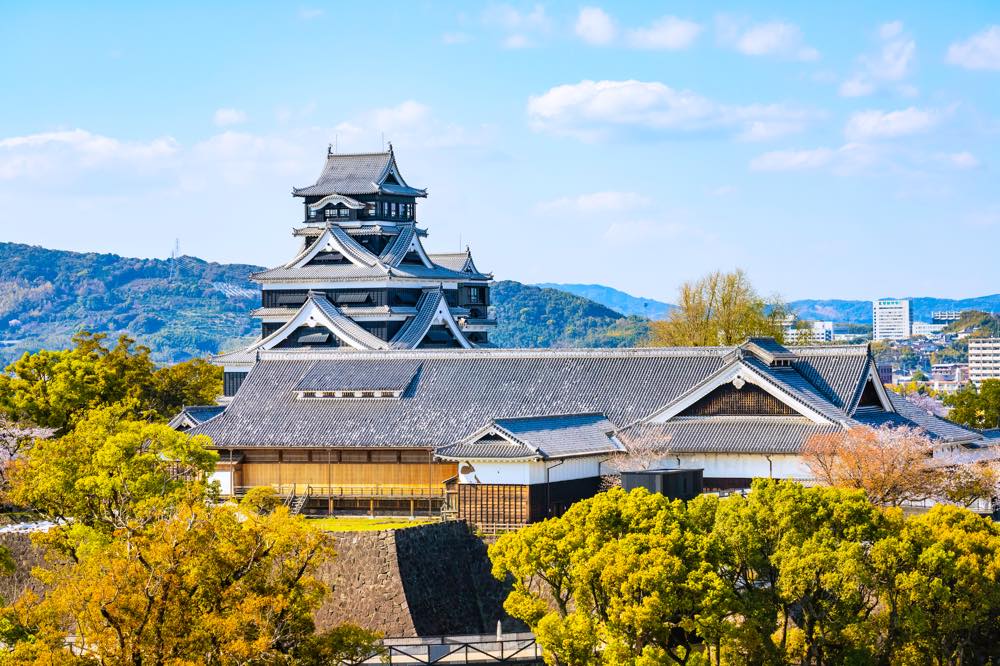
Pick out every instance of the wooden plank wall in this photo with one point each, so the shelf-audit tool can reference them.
(399, 474)
(491, 504)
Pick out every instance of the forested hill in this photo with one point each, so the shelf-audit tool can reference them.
(542, 317)
(195, 308)
(179, 309)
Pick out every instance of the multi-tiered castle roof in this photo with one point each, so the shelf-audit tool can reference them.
(362, 279)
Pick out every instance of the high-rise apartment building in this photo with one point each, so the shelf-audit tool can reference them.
(891, 319)
(984, 359)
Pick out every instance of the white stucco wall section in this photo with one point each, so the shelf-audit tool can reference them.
(530, 472)
(742, 465)
(225, 479)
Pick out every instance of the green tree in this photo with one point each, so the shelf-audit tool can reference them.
(719, 309)
(785, 575)
(54, 389)
(111, 473)
(976, 407)
(208, 585)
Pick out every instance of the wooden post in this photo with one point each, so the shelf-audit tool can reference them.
(329, 482)
(430, 482)
(412, 503)
(279, 471)
(371, 507)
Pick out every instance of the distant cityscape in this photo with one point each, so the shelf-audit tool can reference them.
(951, 350)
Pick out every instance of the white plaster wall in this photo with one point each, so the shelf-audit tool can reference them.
(571, 468)
(742, 465)
(527, 473)
(225, 480)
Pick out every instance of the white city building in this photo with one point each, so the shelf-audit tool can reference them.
(891, 319)
(984, 359)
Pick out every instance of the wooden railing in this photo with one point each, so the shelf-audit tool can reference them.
(372, 491)
(504, 649)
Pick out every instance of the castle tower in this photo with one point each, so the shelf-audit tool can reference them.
(362, 278)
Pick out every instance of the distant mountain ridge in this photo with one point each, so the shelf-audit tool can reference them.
(194, 308)
(190, 307)
(617, 300)
(837, 310)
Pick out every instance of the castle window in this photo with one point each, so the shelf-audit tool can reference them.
(370, 209)
(329, 213)
(394, 210)
(344, 212)
(474, 295)
(312, 213)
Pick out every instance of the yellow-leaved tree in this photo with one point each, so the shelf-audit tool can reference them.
(144, 567)
(719, 309)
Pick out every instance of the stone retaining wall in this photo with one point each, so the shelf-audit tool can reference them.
(427, 580)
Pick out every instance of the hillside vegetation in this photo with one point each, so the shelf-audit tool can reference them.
(195, 308)
(180, 311)
(542, 317)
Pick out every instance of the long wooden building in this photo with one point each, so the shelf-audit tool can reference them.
(526, 432)
(373, 384)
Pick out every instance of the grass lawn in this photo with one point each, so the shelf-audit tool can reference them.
(363, 524)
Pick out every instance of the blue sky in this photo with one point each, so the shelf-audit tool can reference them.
(847, 150)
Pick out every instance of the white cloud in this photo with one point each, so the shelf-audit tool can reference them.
(610, 201)
(228, 117)
(962, 160)
(793, 160)
(892, 63)
(594, 26)
(310, 13)
(981, 51)
(238, 158)
(69, 150)
(516, 41)
(644, 230)
(669, 32)
(594, 110)
(455, 38)
(875, 124)
(518, 25)
(775, 38)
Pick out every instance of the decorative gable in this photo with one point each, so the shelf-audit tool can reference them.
(748, 400)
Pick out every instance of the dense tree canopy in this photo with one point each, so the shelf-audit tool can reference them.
(976, 407)
(54, 389)
(719, 309)
(785, 575)
(895, 465)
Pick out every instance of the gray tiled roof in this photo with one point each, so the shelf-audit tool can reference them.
(346, 328)
(454, 393)
(357, 173)
(415, 328)
(727, 434)
(372, 375)
(909, 414)
(456, 261)
(492, 447)
(540, 437)
(195, 414)
(397, 250)
(563, 435)
(350, 272)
